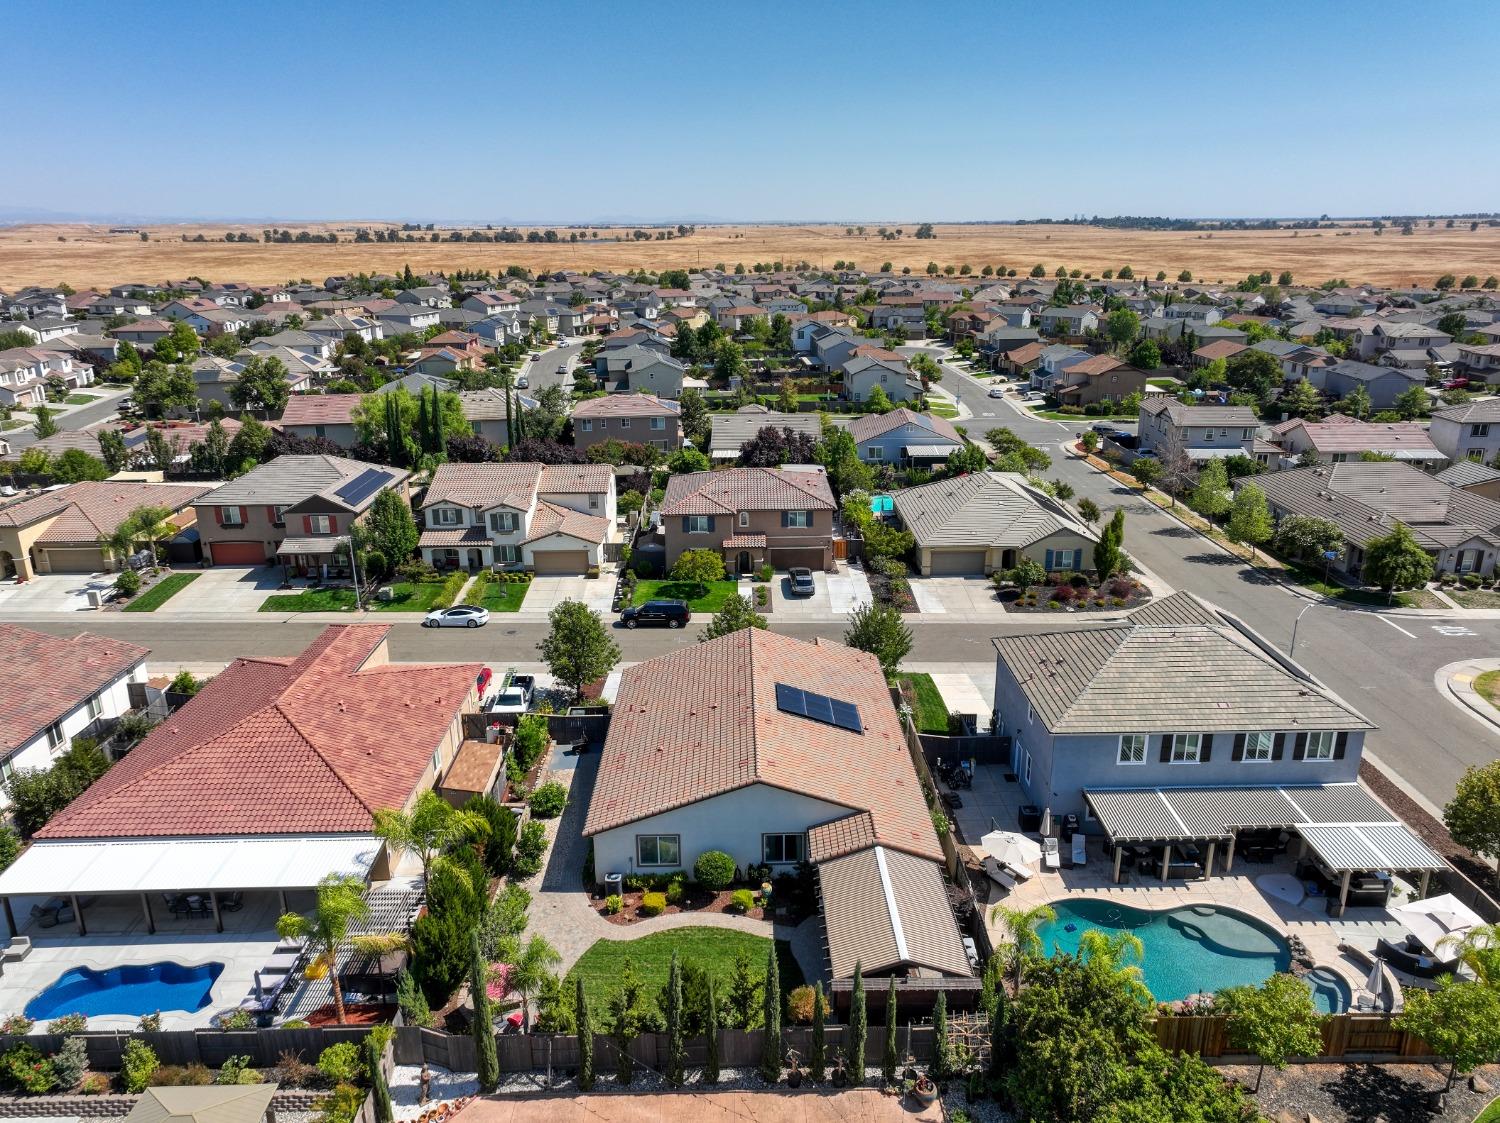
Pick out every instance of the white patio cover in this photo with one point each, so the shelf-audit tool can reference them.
(168, 865)
(1013, 849)
(1432, 919)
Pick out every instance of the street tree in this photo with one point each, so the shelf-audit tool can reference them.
(1472, 816)
(1089, 510)
(699, 568)
(1276, 1021)
(1303, 536)
(1397, 560)
(877, 629)
(1210, 495)
(1146, 470)
(736, 614)
(578, 649)
(1249, 517)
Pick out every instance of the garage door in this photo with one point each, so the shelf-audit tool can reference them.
(957, 563)
(787, 557)
(561, 561)
(74, 561)
(239, 553)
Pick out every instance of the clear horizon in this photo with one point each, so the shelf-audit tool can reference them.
(569, 113)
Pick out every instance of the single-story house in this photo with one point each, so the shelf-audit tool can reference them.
(730, 431)
(904, 437)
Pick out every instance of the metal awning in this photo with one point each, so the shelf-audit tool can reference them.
(167, 865)
(886, 909)
(323, 545)
(1346, 826)
(929, 452)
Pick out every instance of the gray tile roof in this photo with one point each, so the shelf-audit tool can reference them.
(996, 509)
(1466, 473)
(731, 430)
(291, 479)
(1177, 609)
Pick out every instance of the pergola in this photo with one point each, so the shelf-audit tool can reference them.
(210, 866)
(1347, 829)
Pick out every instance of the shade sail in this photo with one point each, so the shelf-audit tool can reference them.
(171, 864)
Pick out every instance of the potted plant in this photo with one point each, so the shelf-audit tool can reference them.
(924, 1091)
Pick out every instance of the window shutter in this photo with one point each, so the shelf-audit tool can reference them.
(333, 524)
(1277, 746)
(1299, 750)
(1205, 750)
(786, 518)
(1239, 747)
(1339, 745)
(1166, 747)
(306, 524)
(684, 524)
(710, 524)
(219, 515)
(270, 514)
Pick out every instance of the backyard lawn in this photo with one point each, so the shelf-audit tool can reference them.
(163, 591)
(410, 596)
(931, 714)
(714, 949)
(714, 593)
(504, 596)
(310, 600)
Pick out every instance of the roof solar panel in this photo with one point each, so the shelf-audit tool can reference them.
(846, 716)
(818, 707)
(362, 486)
(789, 699)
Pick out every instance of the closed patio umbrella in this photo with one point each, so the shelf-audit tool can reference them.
(1011, 849)
(1047, 822)
(1376, 981)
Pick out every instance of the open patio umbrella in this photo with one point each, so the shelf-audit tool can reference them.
(1432, 919)
(1011, 849)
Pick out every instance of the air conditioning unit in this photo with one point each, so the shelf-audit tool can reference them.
(96, 598)
(614, 884)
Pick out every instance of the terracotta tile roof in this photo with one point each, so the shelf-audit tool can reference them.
(575, 479)
(47, 677)
(840, 836)
(484, 485)
(454, 536)
(625, 405)
(553, 519)
(319, 409)
(1025, 354)
(1220, 349)
(746, 489)
(1098, 364)
(745, 542)
(703, 721)
(96, 508)
(314, 745)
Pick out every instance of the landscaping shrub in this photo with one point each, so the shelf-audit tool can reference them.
(548, 801)
(530, 847)
(530, 741)
(150, 1023)
(675, 891)
(452, 586)
(1064, 594)
(17, 1025)
(766, 572)
(26, 1069)
(1078, 581)
(70, 1063)
(180, 1076)
(1054, 604)
(95, 1084)
(800, 1005)
(653, 904)
(714, 870)
(417, 571)
(340, 1105)
(762, 596)
(237, 1019)
(291, 1071)
(138, 1065)
(613, 903)
(341, 1063)
(501, 840)
(236, 1070)
(742, 900)
(128, 583)
(68, 1023)
(1471, 580)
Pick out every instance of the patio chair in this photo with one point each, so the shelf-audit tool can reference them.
(19, 948)
(1080, 850)
(997, 874)
(231, 902)
(1050, 856)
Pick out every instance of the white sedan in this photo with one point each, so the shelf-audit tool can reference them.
(459, 616)
(997, 391)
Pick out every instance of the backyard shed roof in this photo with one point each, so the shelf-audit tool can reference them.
(235, 1103)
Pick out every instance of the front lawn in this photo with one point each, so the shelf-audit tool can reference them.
(1474, 598)
(712, 598)
(80, 399)
(504, 596)
(410, 596)
(1313, 580)
(310, 600)
(713, 949)
(1081, 418)
(1488, 687)
(931, 715)
(941, 408)
(163, 591)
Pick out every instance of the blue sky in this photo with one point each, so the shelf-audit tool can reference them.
(765, 111)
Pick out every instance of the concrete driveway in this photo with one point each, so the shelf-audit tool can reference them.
(546, 593)
(54, 592)
(969, 597)
(231, 590)
(838, 594)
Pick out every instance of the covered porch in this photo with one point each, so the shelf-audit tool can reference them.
(321, 557)
(1343, 832)
(745, 553)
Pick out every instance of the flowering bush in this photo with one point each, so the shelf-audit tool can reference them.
(68, 1023)
(498, 985)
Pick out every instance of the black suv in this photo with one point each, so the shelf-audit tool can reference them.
(671, 613)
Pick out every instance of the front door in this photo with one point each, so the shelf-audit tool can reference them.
(476, 559)
(743, 565)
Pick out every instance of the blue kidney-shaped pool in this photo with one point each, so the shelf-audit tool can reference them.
(1195, 949)
(137, 990)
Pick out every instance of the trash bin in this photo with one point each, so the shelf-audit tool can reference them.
(614, 884)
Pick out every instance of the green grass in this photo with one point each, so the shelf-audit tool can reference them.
(941, 408)
(1487, 686)
(1083, 418)
(1163, 383)
(1312, 580)
(81, 399)
(310, 600)
(1490, 1114)
(931, 714)
(163, 591)
(504, 596)
(1474, 598)
(7, 426)
(711, 601)
(410, 596)
(713, 949)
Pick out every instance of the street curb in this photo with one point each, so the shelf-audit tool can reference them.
(1463, 692)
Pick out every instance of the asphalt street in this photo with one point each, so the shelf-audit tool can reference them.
(554, 368)
(77, 418)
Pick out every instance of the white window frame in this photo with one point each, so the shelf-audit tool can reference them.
(437, 761)
(587, 425)
(502, 522)
(1182, 743)
(321, 524)
(278, 514)
(593, 501)
(783, 837)
(875, 452)
(624, 423)
(1028, 764)
(1321, 744)
(93, 707)
(657, 839)
(658, 423)
(1138, 747)
(232, 516)
(1258, 747)
(448, 516)
(697, 524)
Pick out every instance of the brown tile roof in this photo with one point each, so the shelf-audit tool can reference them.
(47, 677)
(474, 535)
(1220, 349)
(746, 489)
(553, 519)
(1025, 354)
(840, 836)
(625, 405)
(703, 720)
(575, 479)
(1098, 364)
(319, 409)
(95, 508)
(484, 485)
(745, 542)
(314, 744)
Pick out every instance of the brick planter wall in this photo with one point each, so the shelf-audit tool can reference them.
(118, 1106)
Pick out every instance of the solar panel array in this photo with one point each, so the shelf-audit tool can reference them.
(362, 486)
(818, 707)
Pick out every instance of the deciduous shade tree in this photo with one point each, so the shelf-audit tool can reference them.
(772, 447)
(1122, 327)
(1276, 1021)
(1303, 536)
(877, 629)
(699, 568)
(1249, 517)
(736, 614)
(1458, 1020)
(1397, 560)
(578, 649)
(1254, 372)
(1472, 816)
(1145, 355)
(1012, 454)
(1210, 495)
(1412, 403)
(391, 528)
(73, 465)
(1302, 400)
(261, 385)
(1146, 470)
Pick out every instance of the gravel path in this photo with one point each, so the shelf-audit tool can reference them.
(1364, 1093)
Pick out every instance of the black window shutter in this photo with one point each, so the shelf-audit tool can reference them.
(1339, 745)
(786, 518)
(1205, 751)
(1299, 750)
(1278, 746)
(1166, 747)
(684, 524)
(710, 524)
(1239, 747)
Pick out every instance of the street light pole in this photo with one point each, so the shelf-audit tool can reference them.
(1291, 651)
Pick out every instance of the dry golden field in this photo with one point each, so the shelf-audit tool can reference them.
(90, 256)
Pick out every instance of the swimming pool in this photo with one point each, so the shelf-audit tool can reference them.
(1330, 990)
(143, 989)
(1189, 950)
(882, 504)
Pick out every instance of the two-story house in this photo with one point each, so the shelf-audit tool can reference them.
(1469, 431)
(1384, 384)
(639, 369)
(1175, 433)
(295, 508)
(545, 518)
(330, 416)
(629, 418)
(753, 516)
(863, 372)
(1341, 438)
(904, 437)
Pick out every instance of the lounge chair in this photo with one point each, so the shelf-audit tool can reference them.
(1020, 873)
(19, 948)
(1419, 966)
(1080, 849)
(997, 874)
(1050, 857)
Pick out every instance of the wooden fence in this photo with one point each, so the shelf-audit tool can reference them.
(1345, 1036)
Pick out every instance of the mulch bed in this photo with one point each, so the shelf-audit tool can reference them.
(694, 900)
(884, 591)
(1357, 1093)
(1139, 595)
(355, 1014)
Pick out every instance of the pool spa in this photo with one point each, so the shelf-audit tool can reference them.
(135, 990)
(1193, 949)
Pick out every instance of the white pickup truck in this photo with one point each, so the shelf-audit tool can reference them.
(514, 695)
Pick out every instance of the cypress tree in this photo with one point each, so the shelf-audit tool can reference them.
(676, 1050)
(859, 1026)
(888, 1061)
(1000, 1033)
(711, 1032)
(422, 438)
(585, 1041)
(484, 1023)
(384, 1112)
(817, 1061)
(941, 1065)
(770, 1055)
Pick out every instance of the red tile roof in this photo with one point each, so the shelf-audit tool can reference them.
(95, 508)
(314, 744)
(47, 677)
(625, 405)
(1220, 349)
(746, 489)
(703, 721)
(553, 519)
(319, 409)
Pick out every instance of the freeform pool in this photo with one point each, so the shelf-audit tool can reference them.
(143, 989)
(1189, 950)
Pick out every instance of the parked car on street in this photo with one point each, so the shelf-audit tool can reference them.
(657, 613)
(459, 616)
(523, 383)
(800, 581)
(997, 391)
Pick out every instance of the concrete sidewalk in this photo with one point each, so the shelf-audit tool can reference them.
(1457, 680)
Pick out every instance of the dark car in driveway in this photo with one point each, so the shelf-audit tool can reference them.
(657, 614)
(800, 582)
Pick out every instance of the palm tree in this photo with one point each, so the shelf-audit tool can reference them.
(1021, 925)
(341, 901)
(1479, 951)
(1112, 950)
(432, 826)
(532, 964)
(144, 523)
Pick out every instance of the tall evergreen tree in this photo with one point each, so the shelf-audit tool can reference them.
(888, 1061)
(1002, 1046)
(676, 1048)
(585, 1040)
(384, 1112)
(770, 1056)
(859, 1026)
(484, 1020)
(817, 1060)
(422, 439)
(711, 1033)
(941, 1057)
